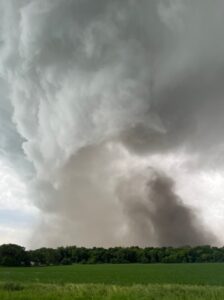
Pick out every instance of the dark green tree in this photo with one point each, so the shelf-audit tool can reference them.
(13, 255)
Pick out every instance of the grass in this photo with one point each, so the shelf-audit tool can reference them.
(191, 274)
(111, 292)
(110, 282)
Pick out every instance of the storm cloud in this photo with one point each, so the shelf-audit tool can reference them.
(94, 94)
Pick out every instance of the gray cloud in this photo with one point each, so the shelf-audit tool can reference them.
(86, 78)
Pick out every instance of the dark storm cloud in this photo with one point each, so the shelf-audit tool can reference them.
(155, 212)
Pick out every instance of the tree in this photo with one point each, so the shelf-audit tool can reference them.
(13, 255)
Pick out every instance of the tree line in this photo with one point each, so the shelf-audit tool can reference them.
(15, 255)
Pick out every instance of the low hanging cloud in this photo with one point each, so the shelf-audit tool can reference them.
(97, 86)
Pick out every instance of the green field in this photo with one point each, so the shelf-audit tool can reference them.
(131, 281)
(129, 274)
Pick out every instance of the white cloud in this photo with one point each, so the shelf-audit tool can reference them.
(18, 216)
(14, 235)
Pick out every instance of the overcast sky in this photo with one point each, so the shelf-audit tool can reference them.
(111, 118)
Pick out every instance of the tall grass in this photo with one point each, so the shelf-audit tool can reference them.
(110, 292)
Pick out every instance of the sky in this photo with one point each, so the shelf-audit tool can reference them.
(111, 119)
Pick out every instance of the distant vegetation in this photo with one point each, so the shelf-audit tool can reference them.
(14, 255)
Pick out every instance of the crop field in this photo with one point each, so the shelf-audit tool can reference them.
(131, 281)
